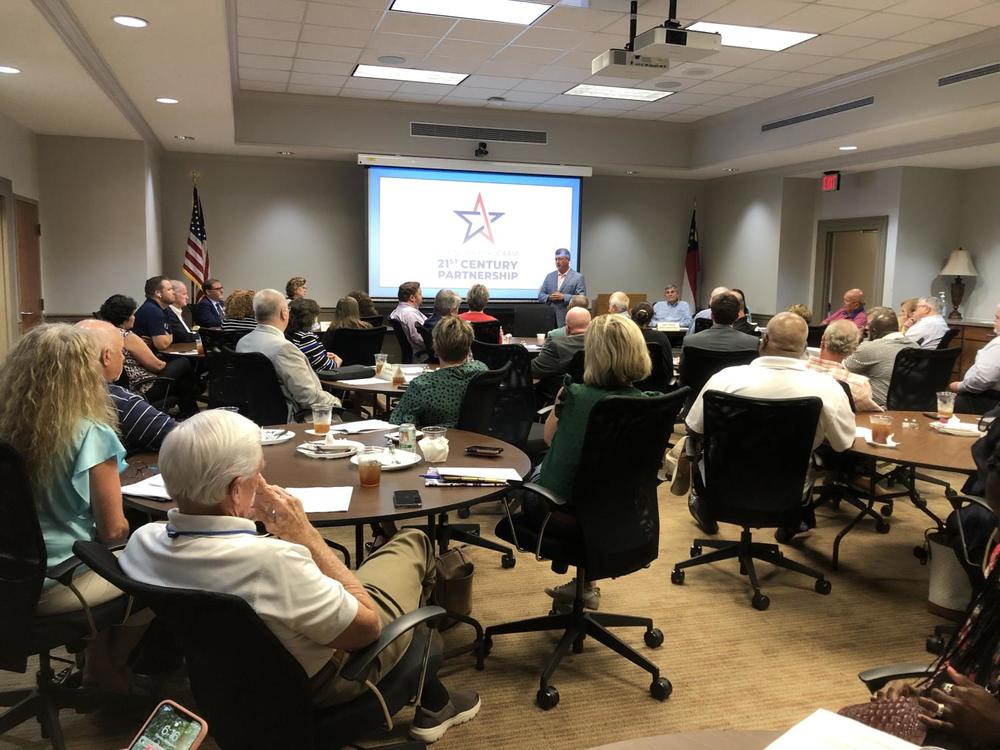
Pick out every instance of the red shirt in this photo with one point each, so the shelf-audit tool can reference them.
(480, 317)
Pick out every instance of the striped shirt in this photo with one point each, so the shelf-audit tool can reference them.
(142, 425)
(313, 348)
(239, 325)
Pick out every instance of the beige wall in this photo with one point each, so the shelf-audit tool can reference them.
(19, 157)
(979, 233)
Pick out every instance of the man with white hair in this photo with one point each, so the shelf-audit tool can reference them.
(706, 314)
(299, 382)
(315, 606)
(672, 309)
(176, 311)
(979, 390)
(618, 304)
(930, 325)
(840, 340)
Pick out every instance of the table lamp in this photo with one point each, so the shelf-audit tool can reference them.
(959, 264)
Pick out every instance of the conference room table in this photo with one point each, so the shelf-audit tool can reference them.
(287, 467)
(699, 740)
(183, 349)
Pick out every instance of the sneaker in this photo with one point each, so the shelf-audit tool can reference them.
(706, 524)
(430, 726)
(567, 593)
(785, 535)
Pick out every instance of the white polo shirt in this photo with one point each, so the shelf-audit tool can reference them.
(305, 609)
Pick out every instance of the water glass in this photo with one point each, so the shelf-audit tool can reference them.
(370, 465)
(380, 360)
(945, 405)
(321, 418)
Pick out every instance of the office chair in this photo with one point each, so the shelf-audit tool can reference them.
(23, 633)
(405, 349)
(248, 382)
(531, 318)
(251, 691)
(615, 506)
(698, 365)
(488, 331)
(355, 346)
(948, 337)
(815, 336)
(659, 377)
(480, 398)
(756, 455)
(375, 321)
(427, 334)
(917, 376)
(576, 366)
(701, 324)
(214, 339)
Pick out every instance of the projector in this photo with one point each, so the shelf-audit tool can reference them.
(677, 44)
(621, 63)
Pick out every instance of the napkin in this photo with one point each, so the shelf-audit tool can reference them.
(388, 372)
(435, 450)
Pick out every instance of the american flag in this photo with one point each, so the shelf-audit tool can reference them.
(196, 254)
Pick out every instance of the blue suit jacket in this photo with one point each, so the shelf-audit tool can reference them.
(207, 315)
(574, 283)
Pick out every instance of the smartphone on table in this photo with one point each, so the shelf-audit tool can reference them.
(170, 727)
(403, 499)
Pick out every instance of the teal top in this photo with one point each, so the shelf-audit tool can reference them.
(435, 397)
(558, 471)
(64, 511)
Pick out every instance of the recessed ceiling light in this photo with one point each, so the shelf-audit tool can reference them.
(133, 22)
(506, 11)
(631, 172)
(166, 100)
(392, 60)
(286, 153)
(409, 74)
(184, 137)
(753, 37)
(847, 148)
(617, 92)
(731, 170)
(8, 70)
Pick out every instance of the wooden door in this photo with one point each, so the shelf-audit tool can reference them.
(29, 264)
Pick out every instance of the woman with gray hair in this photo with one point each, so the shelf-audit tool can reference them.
(477, 298)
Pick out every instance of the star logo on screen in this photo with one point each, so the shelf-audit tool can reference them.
(479, 220)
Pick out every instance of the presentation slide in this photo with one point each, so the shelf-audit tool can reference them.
(450, 230)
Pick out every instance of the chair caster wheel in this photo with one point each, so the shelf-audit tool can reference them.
(547, 698)
(935, 644)
(487, 646)
(823, 586)
(920, 553)
(760, 602)
(695, 550)
(508, 561)
(653, 638)
(661, 689)
(882, 527)
(677, 577)
(578, 645)
(464, 513)
(886, 510)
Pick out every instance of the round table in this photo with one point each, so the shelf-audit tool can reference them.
(384, 387)
(186, 349)
(924, 447)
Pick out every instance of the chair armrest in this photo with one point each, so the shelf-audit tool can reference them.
(877, 678)
(954, 497)
(63, 572)
(357, 665)
(545, 492)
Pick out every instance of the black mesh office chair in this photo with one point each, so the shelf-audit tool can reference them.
(514, 411)
(698, 365)
(701, 324)
(659, 377)
(248, 382)
(251, 691)
(480, 400)
(917, 376)
(355, 346)
(615, 506)
(213, 339)
(756, 455)
(427, 334)
(405, 349)
(815, 336)
(531, 318)
(576, 366)
(375, 321)
(488, 331)
(948, 337)
(23, 633)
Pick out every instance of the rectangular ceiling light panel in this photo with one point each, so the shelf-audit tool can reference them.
(751, 37)
(505, 11)
(617, 92)
(409, 74)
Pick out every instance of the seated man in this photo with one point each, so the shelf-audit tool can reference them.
(721, 337)
(577, 300)
(930, 325)
(618, 304)
(141, 424)
(315, 606)
(979, 390)
(299, 382)
(853, 310)
(876, 357)
(706, 314)
(779, 372)
(552, 362)
(446, 303)
(672, 309)
(209, 312)
(176, 311)
(408, 314)
(150, 318)
(742, 322)
(840, 340)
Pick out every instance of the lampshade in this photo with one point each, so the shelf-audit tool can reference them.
(959, 264)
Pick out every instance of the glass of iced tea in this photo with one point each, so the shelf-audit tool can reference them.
(881, 428)
(380, 360)
(321, 418)
(370, 465)
(945, 405)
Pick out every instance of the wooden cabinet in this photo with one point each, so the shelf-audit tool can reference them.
(970, 339)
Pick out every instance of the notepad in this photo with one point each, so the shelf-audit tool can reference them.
(365, 425)
(150, 487)
(825, 730)
(323, 499)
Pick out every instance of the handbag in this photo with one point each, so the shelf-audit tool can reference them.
(895, 717)
(453, 587)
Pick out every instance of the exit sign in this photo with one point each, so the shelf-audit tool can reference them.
(830, 182)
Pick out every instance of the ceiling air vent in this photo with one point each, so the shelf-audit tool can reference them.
(968, 75)
(826, 112)
(475, 133)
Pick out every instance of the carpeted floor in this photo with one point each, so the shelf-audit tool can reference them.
(731, 666)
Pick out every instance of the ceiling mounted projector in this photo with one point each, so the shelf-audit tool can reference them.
(677, 44)
(621, 63)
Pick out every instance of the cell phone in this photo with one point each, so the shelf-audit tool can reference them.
(170, 727)
(483, 450)
(405, 499)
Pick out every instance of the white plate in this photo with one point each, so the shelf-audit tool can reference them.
(962, 429)
(306, 449)
(311, 431)
(275, 437)
(404, 460)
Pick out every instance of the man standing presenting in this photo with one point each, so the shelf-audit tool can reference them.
(672, 309)
(560, 285)
(853, 310)
(208, 313)
(979, 390)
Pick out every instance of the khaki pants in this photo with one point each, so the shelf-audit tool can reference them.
(399, 577)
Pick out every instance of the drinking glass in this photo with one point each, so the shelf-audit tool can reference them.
(380, 360)
(370, 466)
(321, 418)
(540, 339)
(881, 428)
(945, 405)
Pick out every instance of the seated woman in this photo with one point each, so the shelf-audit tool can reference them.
(959, 702)
(238, 312)
(906, 309)
(365, 304)
(296, 288)
(802, 311)
(615, 357)
(477, 298)
(642, 316)
(302, 316)
(435, 397)
(142, 366)
(63, 423)
(347, 314)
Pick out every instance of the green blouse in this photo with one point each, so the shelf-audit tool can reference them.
(435, 397)
(558, 471)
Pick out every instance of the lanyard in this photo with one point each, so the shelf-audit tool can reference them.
(174, 533)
